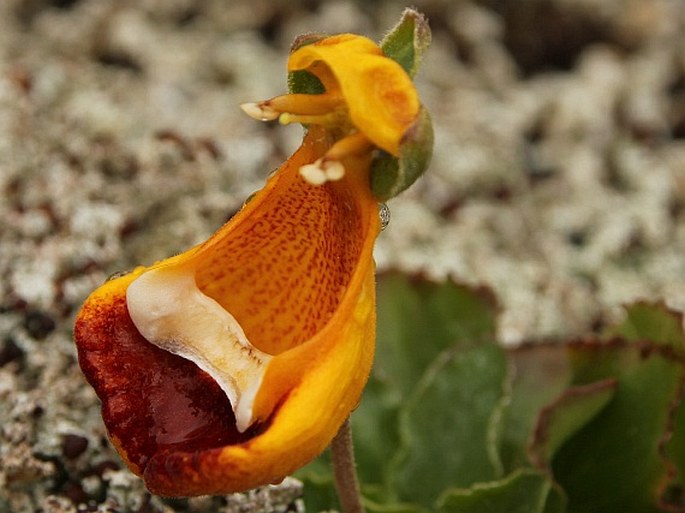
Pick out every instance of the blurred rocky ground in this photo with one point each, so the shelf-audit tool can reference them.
(558, 179)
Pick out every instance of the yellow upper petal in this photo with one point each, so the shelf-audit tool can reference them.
(380, 97)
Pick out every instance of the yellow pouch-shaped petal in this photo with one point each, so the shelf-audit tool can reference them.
(294, 269)
(236, 362)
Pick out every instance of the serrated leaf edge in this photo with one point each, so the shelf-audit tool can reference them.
(671, 468)
(543, 423)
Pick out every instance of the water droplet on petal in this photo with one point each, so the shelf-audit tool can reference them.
(384, 213)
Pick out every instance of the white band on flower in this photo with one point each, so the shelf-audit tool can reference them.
(171, 312)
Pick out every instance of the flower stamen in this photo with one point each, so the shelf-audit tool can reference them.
(354, 144)
(330, 168)
(322, 170)
(327, 110)
(260, 111)
(298, 108)
(329, 119)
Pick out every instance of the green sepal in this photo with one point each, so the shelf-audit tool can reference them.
(304, 82)
(408, 40)
(391, 175)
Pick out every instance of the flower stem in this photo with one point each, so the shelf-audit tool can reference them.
(345, 470)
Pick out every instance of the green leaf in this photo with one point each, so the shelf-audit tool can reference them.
(653, 322)
(566, 416)
(614, 463)
(446, 423)
(525, 491)
(392, 507)
(656, 323)
(375, 430)
(419, 319)
(407, 41)
(674, 449)
(541, 373)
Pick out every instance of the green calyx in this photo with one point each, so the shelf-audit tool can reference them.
(406, 44)
(391, 175)
(408, 41)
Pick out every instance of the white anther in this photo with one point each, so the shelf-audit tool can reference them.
(334, 169)
(260, 112)
(313, 174)
(322, 171)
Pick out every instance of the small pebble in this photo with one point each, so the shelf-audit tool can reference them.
(73, 445)
(38, 324)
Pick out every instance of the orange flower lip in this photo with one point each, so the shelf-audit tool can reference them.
(234, 363)
(183, 406)
(295, 268)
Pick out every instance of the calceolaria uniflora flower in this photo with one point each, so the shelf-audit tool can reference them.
(234, 363)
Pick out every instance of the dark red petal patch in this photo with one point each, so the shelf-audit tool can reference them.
(153, 402)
